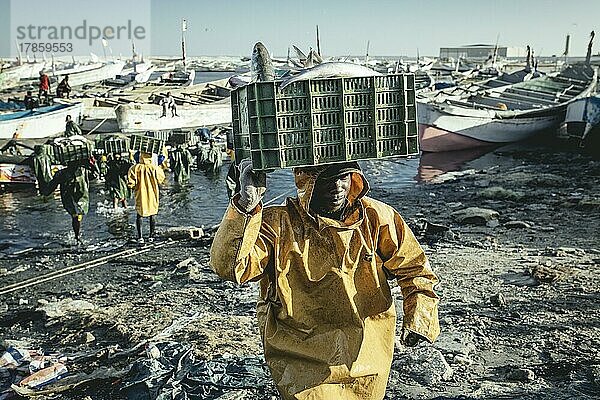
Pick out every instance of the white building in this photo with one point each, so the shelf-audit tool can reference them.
(481, 52)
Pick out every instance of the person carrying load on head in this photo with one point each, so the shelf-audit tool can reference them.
(144, 178)
(74, 182)
(71, 128)
(323, 259)
(115, 180)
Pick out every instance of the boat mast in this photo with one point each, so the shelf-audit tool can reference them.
(495, 54)
(588, 56)
(566, 52)
(318, 42)
(183, 29)
(19, 58)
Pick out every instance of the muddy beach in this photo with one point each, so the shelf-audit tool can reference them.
(513, 236)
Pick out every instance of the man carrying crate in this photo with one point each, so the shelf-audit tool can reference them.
(115, 179)
(326, 313)
(144, 178)
(74, 182)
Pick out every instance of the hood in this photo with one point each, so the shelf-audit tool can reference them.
(146, 158)
(306, 177)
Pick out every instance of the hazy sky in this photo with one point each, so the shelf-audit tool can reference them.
(222, 27)
(392, 27)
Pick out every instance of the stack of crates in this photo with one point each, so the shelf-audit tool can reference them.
(323, 121)
(66, 153)
(146, 144)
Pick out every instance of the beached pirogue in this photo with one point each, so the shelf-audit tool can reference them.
(38, 123)
(200, 105)
(502, 114)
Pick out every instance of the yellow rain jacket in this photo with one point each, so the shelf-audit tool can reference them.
(144, 179)
(325, 311)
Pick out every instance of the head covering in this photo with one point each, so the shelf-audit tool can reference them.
(333, 171)
(306, 178)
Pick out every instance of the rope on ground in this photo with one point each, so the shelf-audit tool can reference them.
(76, 268)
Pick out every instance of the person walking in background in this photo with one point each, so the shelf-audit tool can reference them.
(74, 182)
(115, 180)
(180, 161)
(210, 159)
(144, 178)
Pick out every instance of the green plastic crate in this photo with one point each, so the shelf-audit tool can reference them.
(161, 135)
(181, 137)
(114, 145)
(146, 144)
(66, 153)
(323, 121)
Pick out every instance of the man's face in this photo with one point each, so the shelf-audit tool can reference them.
(330, 195)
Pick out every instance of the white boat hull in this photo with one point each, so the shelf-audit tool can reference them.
(99, 120)
(443, 131)
(105, 71)
(40, 126)
(11, 77)
(137, 117)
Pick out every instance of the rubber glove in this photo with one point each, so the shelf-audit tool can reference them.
(253, 186)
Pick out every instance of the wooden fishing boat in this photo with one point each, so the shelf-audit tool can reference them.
(98, 73)
(100, 114)
(11, 76)
(582, 120)
(136, 117)
(504, 114)
(38, 123)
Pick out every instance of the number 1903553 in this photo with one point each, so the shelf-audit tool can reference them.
(39, 47)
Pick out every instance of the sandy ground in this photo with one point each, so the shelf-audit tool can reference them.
(519, 311)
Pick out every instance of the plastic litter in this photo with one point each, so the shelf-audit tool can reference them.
(171, 371)
(45, 376)
(13, 357)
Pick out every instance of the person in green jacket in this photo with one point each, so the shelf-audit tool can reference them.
(181, 163)
(41, 162)
(71, 128)
(211, 159)
(74, 182)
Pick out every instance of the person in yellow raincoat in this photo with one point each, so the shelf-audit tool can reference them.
(325, 311)
(144, 178)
